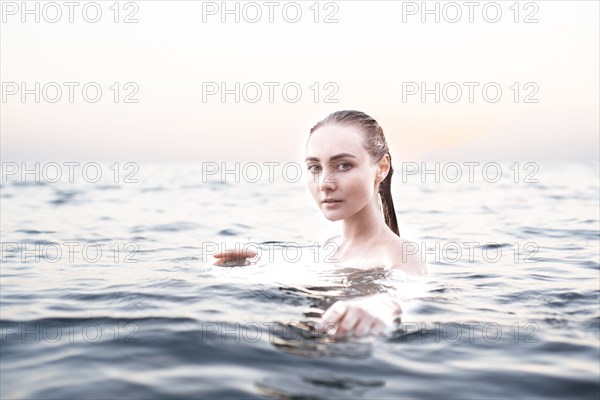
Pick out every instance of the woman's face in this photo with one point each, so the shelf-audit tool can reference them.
(340, 170)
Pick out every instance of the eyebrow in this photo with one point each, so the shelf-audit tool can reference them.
(340, 155)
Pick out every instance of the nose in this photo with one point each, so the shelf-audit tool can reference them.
(327, 179)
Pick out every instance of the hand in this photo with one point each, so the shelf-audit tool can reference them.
(232, 258)
(361, 317)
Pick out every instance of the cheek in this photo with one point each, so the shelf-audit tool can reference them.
(312, 185)
(361, 185)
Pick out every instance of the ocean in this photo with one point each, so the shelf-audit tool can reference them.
(108, 288)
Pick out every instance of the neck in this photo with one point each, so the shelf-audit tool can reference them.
(365, 225)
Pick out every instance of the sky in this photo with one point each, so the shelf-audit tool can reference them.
(163, 67)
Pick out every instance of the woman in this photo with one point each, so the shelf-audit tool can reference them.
(350, 172)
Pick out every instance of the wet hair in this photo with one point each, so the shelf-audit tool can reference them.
(377, 147)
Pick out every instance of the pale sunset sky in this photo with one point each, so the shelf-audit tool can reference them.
(372, 57)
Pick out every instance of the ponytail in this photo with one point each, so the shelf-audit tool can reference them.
(389, 213)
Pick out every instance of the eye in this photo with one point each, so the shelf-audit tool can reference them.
(313, 168)
(344, 166)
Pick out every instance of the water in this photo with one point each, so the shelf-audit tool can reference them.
(172, 326)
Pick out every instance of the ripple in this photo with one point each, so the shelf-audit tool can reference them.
(173, 227)
(229, 232)
(33, 231)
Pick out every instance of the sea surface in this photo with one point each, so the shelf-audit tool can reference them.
(108, 288)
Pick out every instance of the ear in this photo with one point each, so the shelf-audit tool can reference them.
(383, 168)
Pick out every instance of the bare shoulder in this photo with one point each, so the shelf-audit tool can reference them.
(407, 255)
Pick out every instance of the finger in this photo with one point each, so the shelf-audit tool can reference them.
(331, 317)
(236, 254)
(231, 263)
(363, 326)
(231, 257)
(228, 254)
(334, 312)
(378, 327)
(348, 323)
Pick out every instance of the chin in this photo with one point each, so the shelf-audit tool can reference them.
(333, 216)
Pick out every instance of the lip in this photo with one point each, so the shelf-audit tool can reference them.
(331, 203)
